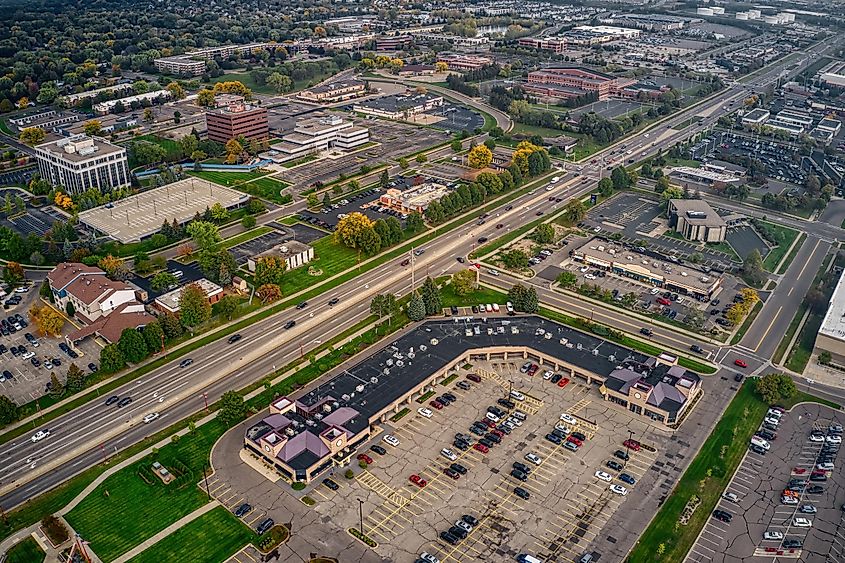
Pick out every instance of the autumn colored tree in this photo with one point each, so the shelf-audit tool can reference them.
(269, 292)
(114, 267)
(233, 151)
(13, 273)
(32, 135)
(357, 231)
(176, 90)
(93, 127)
(205, 98)
(480, 157)
(49, 321)
(269, 269)
(441, 66)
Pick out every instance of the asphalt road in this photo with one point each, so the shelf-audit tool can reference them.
(81, 438)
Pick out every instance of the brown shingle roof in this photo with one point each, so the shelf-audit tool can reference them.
(64, 273)
(128, 315)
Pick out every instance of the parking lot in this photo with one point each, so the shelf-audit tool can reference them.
(754, 499)
(328, 217)
(28, 381)
(780, 159)
(17, 177)
(457, 118)
(566, 504)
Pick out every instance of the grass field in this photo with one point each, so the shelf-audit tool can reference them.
(25, 551)
(329, 256)
(213, 537)
(135, 510)
(795, 248)
(784, 237)
(720, 455)
(256, 183)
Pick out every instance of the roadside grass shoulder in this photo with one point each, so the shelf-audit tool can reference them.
(784, 237)
(25, 551)
(746, 324)
(795, 248)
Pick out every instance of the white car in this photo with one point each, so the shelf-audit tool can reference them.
(772, 535)
(424, 412)
(429, 557)
(583, 269)
(788, 500)
(448, 454)
(566, 417)
(775, 413)
(618, 489)
(517, 395)
(589, 276)
(563, 428)
(772, 420)
(817, 437)
(23, 289)
(463, 526)
(833, 439)
(391, 439)
(496, 307)
(597, 230)
(604, 476)
(27, 355)
(801, 522)
(150, 417)
(533, 458)
(493, 272)
(40, 435)
(655, 290)
(731, 497)
(826, 466)
(547, 375)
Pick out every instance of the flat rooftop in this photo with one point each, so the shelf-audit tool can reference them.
(398, 103)
(80, 148)
(833, 324)
(697, 212)
(142, 215)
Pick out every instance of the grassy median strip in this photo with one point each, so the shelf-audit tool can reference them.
(746, 324)
(795, 248)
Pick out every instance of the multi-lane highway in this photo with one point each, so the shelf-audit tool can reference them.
(83, 437)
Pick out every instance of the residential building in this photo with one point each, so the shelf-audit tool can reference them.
(79, 163)
(183, 65)
(464, 63)
(169, 302)
(694, 219)
(649, 22)
(294, 253)
(302, 438)
(399, 106)
(571, 82)
(238, 119)
(155, 96)
(415, 199)
(92, 294)
(334, 92)
(318, 134)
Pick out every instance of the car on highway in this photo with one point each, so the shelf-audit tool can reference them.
(124, 401)
(40, 435)
(150, 417)
(186, 362)
(334, 301)
(234, 338)
(112, 400)
(290, 324)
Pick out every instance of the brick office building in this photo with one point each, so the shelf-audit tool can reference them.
(235, 120)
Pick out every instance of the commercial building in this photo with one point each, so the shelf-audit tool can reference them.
(294, 253)
(155, 96)
(694, 219)
(169, 302)
(399, 106)
(140, 216)
(79, 163)
(318, 134)
(649, 22)
(415, 199)
(571, 82)
(301, 438)
(73, 100)
(393, 42)
(757, 116)
(704, 176)
(334, 92)
(646, 268)
(456, 41)
(87, 288)
(556, 45)
(108, 124)
(50, 120)
(831, 335)
(464, 63)
(238, 119)
(589, 35)
(193, 63)
(129, 315)
(417, 70)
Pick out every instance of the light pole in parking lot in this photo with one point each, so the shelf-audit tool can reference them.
(361, 515)
(628, 447)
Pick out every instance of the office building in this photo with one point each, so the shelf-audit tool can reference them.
(73, 100)
(50, 120)
(694, 219)
(79, 163)
(87, 288)
(169, 302)
(571, 82)
(193, 63)
(334, 92)
(318, 134)
(399, 106)
(157, 96)
(556, 45)
(238, 119)
(831, 336)
(757, 116)
(416, 199)
(464, 63)
(294, 253)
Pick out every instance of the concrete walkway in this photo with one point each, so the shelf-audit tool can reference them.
(167, 531)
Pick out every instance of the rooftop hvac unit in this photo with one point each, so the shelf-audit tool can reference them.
(611, 358)
(389, 361)
(563, 341)
(411, 350)
(327, 407)
(359, 388)
(595, 351)
(318, 416)
(468, 332)
(540, 332)
(514, 330)
(411, 355)
(579, 346)
(548, 336)
(374, 380)
(434, 342)
(500, 330)
(310, 422)
(386, 371)
(335, 405)
(489, 330)
(290, 431)
(684, 274)
(399, 363)
(569, 345)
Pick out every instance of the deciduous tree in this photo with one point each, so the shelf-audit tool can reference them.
(49, 321)
(162, 281)
(132, 346)
(232, 409)
(111, 358)
(775, 387)
(32, 135)
(269, 292)
(464, 282)
(480, 156)
(13, 273)
(153, 336)
(227, 306)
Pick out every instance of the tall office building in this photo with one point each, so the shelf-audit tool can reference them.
(235, 120)
(80, 162)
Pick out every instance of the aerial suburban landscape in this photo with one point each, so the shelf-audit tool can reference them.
(429, 282)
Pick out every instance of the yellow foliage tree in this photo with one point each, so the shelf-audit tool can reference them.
(32, 135)
(93, 127)
(440, 66)
(23, 103)
(233, 87)
(63, 201)
(205, 98)
(47, 319)
(176, 90)
(233, 151)
(350, 230)
(480, 156)
(521, 154)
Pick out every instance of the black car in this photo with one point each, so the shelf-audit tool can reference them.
(504, 429)
(757, 449)
(580, 436)
(461, 445)
(646, 331)
(458, 468)
(559, 433)
(481, 431)
(621, 454)
(242, 510)
(289, 325)
(493, 438)
(112, 400)
(496, 410)
(791, 543)
(696, 348)
(766, 435)
(124, 401)
(521, 467)
(443, 400)
(465, 385)
(506, 403)
(486, 442)
(450, 396)
(556, 377)
(186, 362)
(334, 301)
(471, 520)
(738, 378)
(35, 361)
(521, 493)
(614, 465)
(234, 338)
(482, 240)
(15, 352)
(378, 449)
(818, 477)
(815, 489)
(722, 516)
(264, 526)
(553, 438)
(458, 532)
(56, 362)
(92, 366)
(302, 305)
(7, 375)
(449, 538)
(449, 472)
(517, 474)
(74, 355)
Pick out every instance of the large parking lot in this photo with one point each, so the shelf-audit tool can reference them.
(754, 498)
(328, 217)
(566, 506)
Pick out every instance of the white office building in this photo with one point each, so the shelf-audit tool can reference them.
(80, 162)
(311, 136)
(106, 107)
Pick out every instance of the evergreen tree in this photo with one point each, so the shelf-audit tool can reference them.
(416, 308)
(431, 297)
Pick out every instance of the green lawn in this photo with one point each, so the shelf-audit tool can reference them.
(256, 183)
(25, 551)
(125, 510)
(329, 256)
(480, 295)
(265, 188)
(784, 237)
(298, 161)
(212, 538)
(246, 80)
(720, 455)
(536, 130)
(803, 349)
(792, 254)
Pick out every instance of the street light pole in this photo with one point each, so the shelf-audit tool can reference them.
(627, 447)
(361, 515)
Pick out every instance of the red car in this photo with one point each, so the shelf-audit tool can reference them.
(563, 382)
(799, 471)
(436, 404)
(474, 377)
(488, 423)
(480, 447)
(418, 481)
(575, 440)
(632, 444)
(663, 301)
(498, 433)
(365, 458)
(533, 369)
(740, 363)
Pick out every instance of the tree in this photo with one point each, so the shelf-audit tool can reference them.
(825, 357)
(111, 265)
(280, 82)
(132, 345)
(248, 222)
(416, 307)
(49, 321)
(8, 410)
(232, 409)
(111, 358)
(567, 279)
(163, 280)
(606, 187)
(194, 307)
(421, 158)
(177, 117)
(356, 231)
(619, 177)
(515, 259)
(227, 306)
(205, 98)
(752, 268)
(149, 117)
(431, 297)
(480, 157)
(170, 325)
(70, 309)
(13, 273)
(523, 299)
(56, 387)
(205, 235)
(269, 269)
(543, 234)
(176, 90)
(403, 163)
(441, 66)
(153, 335)
(32, 135)
(269, 292)
(414, 223)
(457, 146)
(233, 151)
(736, 313)
(575, 210)
(218, 212)
(75, 380)
(93, 127)
(775, 387)
(464, 282)
(384, 178)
